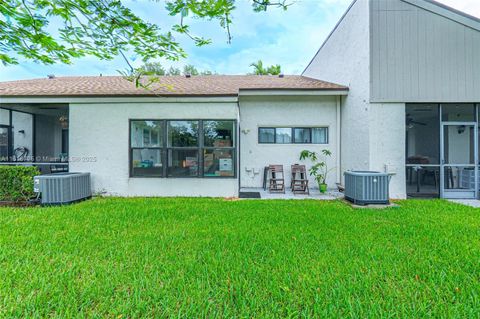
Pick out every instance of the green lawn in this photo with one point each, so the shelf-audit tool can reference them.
(210, 257)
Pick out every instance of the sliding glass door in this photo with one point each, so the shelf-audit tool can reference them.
(442, 145)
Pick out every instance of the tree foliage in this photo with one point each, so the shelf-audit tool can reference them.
(259, 69)
(156, 68)
(103, 28)
(152, 68)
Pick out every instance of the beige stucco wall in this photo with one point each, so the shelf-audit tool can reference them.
(283, 111)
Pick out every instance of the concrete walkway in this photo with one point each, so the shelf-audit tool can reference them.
(314, 194)
(475, 203)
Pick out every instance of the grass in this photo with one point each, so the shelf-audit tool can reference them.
(123, 258)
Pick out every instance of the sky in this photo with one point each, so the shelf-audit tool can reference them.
(289, 38)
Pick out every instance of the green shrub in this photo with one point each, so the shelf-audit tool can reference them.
(16, 183)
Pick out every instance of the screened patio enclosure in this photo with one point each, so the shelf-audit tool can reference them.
(442, 146)
(34, 134)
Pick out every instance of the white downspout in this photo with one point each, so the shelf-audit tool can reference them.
(339, 140)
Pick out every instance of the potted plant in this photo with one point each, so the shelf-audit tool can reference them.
(319, 169)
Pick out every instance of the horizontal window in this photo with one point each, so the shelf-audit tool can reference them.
(182, 148)
(296, 135)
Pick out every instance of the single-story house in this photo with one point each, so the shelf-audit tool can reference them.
(394, 88)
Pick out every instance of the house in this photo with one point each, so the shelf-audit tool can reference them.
(187, 136)
(395, 88)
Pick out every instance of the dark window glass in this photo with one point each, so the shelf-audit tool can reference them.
(163, 148)
(320, 135)
(266, 135)
(182, 163)
(4, 143)
(182, 133)
(218, 162)
(219, 133)
(302, 135)
(458, 112)
(283, 135)
(65, 142)
(147, 162)
(422, 124)
(146, 133)
(422, 134)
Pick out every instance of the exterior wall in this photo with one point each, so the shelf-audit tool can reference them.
(421, 56)
(284, 111)
(99, 145)
(372, 134)
(344, 59)
(387, 144)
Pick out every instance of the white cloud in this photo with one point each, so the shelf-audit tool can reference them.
(471, 7)
(289, 38)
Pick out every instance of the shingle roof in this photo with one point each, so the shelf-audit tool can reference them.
(211, 85)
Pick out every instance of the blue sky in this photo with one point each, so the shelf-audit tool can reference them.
(289, 38)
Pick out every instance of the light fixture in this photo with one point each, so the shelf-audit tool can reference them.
(63, 121)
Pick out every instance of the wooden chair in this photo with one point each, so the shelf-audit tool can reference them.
(299, 182)
(277, 179)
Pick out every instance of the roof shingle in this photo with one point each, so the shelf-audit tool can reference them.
(211, 85)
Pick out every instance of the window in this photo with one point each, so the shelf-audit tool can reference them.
(218, 133)
(218, 162)
(182, 163)
(219, 151)
(458, 113)
(266, 135)
(302, 135)
(297, 135)
(182, 148)
(283, 135)
(319, 135)
(182, 133)
(147, 162)
(146, 152)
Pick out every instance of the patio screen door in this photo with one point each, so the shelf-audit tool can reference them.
(459, 158)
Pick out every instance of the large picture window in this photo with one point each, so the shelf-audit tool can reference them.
(182, 148)
(293, 135)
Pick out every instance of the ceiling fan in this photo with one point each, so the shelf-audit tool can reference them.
(411, 122)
